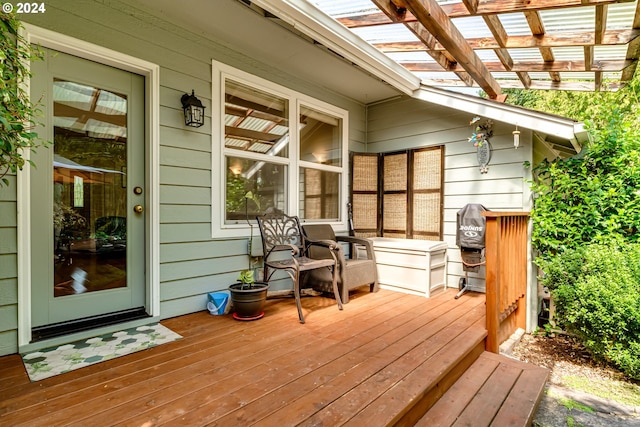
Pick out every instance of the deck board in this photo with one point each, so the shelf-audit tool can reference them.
(365, 365)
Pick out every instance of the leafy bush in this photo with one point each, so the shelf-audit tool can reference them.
(592, 197)
(597, 295)
(16, 110)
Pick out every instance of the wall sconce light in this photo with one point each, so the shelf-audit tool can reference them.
(193, 110)
(516, 137)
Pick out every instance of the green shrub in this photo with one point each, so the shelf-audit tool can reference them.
(592, 197)
(16, 109)
(596, 291)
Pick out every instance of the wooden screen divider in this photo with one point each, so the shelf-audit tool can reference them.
(506, 243)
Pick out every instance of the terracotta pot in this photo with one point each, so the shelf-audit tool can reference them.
(248, 303)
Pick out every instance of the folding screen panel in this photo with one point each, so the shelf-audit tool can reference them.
(364, 194)
(398, 194)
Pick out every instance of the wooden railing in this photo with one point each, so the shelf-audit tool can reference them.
(506, 241)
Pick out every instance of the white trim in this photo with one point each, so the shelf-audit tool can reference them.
(151, 72)
(309, 20)
(23, 204)
(525, 118)
(220, 72)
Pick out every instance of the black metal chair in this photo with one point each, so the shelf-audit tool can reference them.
(286, 248)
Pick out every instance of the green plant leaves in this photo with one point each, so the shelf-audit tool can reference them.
(596, 291)
(16, 109)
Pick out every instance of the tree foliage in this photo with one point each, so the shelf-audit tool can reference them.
(17, 112)
(586, 218)
(593, 197)
(589, 107)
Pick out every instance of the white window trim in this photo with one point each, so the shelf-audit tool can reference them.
(221, 71)
(151, 72)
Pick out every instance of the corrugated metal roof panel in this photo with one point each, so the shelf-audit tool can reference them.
(563, 20)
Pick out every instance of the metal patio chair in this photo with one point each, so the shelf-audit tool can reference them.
(286, 248)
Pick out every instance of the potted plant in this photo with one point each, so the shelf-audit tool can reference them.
(247, 295)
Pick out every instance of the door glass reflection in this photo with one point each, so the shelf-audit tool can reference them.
(89, 189)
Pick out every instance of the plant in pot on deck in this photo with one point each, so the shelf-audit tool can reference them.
(247, 295)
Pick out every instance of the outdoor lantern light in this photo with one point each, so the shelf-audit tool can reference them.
(516, 137)
(193, 110)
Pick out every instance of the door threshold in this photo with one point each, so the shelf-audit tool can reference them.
(69, 327)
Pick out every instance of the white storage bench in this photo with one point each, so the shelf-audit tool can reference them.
(417, 267)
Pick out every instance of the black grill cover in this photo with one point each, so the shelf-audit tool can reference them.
(471, 226)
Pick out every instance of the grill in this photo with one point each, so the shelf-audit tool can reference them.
(470, 230)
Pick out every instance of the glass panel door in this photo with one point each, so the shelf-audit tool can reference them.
(87, 201)
(89, 189)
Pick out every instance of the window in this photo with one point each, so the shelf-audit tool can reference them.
(284, 147)
(320, 153)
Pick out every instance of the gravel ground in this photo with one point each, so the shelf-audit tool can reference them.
(564, 405)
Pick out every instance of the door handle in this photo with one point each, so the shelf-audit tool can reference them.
(138, 209)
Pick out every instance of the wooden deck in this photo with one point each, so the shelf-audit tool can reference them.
(385, 360)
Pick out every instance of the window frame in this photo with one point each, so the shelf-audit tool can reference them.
(219, 153)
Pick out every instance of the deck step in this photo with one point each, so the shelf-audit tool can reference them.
(495, 391)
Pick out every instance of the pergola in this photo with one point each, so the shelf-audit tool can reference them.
(586, 45)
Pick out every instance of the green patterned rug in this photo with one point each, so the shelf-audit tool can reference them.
(52, 361)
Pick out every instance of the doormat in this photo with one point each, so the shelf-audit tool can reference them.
(56, 360)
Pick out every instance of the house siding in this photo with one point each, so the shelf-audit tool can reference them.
(8, 267)
(407, 123)
(191, 262)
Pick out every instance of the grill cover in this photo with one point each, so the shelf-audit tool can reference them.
(471, 226)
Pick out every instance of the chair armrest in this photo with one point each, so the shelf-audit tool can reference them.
(330, 244)
(335, 247)
(368, 244)
(284, 247)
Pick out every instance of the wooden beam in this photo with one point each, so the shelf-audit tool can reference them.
(501, 37)
(494, 7)
(431, 16)
(584, 86)
(574, 39)
(537, 29)
(471, 5)
(525, 78)
(597, 82)
(442, 57)
(526, 66)
(588, 57)
(397, 13)
(264, 137)
(485, 7)
(601, 22)
(633, 50)
(66, 110)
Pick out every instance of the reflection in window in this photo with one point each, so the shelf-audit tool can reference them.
(255, 121)
(320, 195)
(284, 147)
(320, 137)
(265, 180)
(89, 198)
(78, 192)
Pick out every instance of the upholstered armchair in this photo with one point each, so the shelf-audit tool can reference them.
(359, 269)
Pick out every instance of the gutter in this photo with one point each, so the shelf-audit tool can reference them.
(549, 124)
